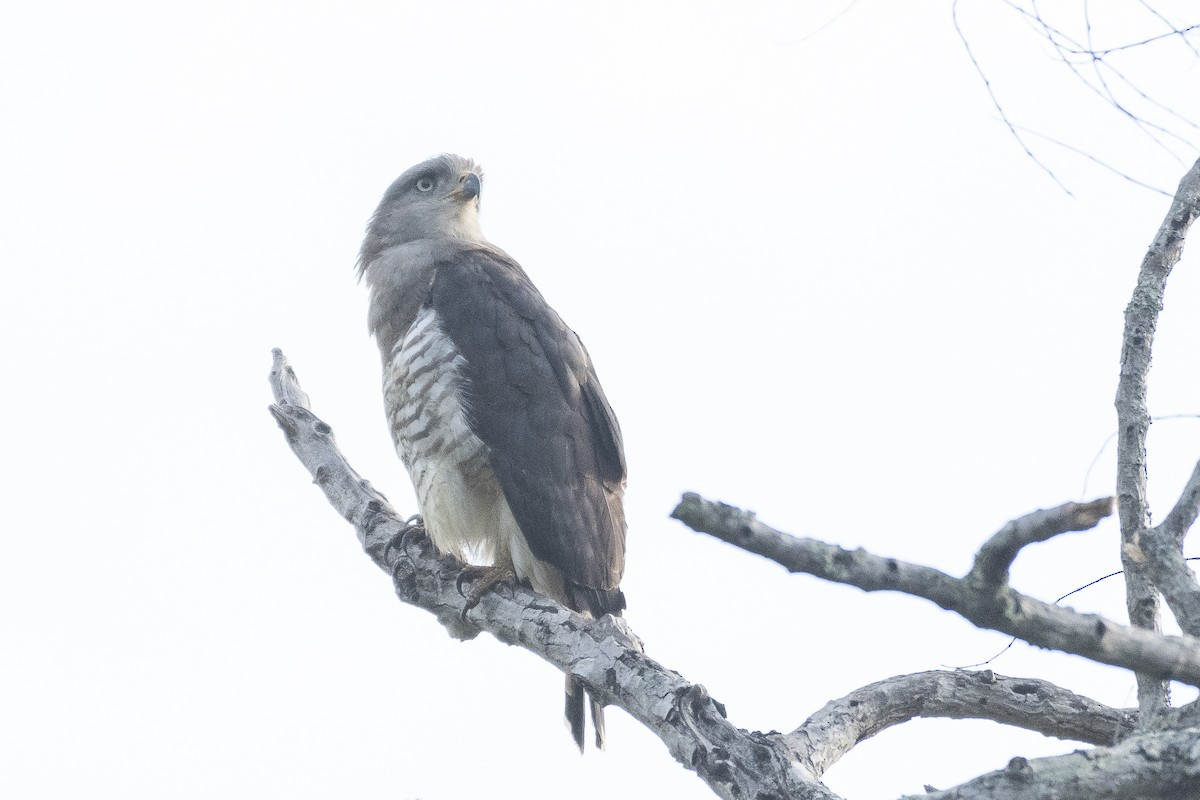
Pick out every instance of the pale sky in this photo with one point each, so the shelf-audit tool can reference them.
(817, 275)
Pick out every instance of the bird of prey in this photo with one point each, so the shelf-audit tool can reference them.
(493, 404)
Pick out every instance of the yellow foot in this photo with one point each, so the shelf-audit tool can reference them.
(488, 578)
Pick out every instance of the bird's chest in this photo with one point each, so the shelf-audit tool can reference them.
(424, 388)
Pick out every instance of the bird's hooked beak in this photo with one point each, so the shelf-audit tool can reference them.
(470, 186)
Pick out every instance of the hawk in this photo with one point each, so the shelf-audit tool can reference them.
(493, 404)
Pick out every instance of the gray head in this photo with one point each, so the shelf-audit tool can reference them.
(436, 199)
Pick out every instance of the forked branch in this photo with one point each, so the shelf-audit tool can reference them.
(1152, 559)
(996, 607)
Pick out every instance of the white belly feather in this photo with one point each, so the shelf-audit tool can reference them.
(462, 505)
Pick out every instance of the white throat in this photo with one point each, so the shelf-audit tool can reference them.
(465, 225)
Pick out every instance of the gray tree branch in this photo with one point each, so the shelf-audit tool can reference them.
(1133, 423)
(986, 605)
(1034, 705)
(1164, 766)
(1162, 548)
(604, 653)
(997, 554)
(1179, 521)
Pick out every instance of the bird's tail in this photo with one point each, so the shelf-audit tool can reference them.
(592, 603)
(577, 700)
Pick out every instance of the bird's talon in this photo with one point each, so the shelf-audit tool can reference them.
(488, 578)
(412, 529)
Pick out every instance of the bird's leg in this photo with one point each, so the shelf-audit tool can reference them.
(413, 528)
(487, 577)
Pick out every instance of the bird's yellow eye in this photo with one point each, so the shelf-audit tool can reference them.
(424, 184)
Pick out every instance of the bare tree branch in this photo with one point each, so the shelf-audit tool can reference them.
(1162, 547)
(1165, 766)
(1172, 576)
(1021, 702)
(1181, 518)
(1133, 421)
(1185, 716)
(1093, 67)
(604, 653)
(1102, 164)
(995, 608)
(997, 554)
(987, 84)
(1171, 31)
(284, 383)
(1087, 476)
(1056, 38)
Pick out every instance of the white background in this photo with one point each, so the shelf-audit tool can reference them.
(819, 279)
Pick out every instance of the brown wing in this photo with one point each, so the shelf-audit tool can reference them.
(534, 399)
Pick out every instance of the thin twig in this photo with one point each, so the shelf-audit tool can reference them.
(1095, 160)
(996, 101)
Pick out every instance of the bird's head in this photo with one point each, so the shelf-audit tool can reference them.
(436, 199)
